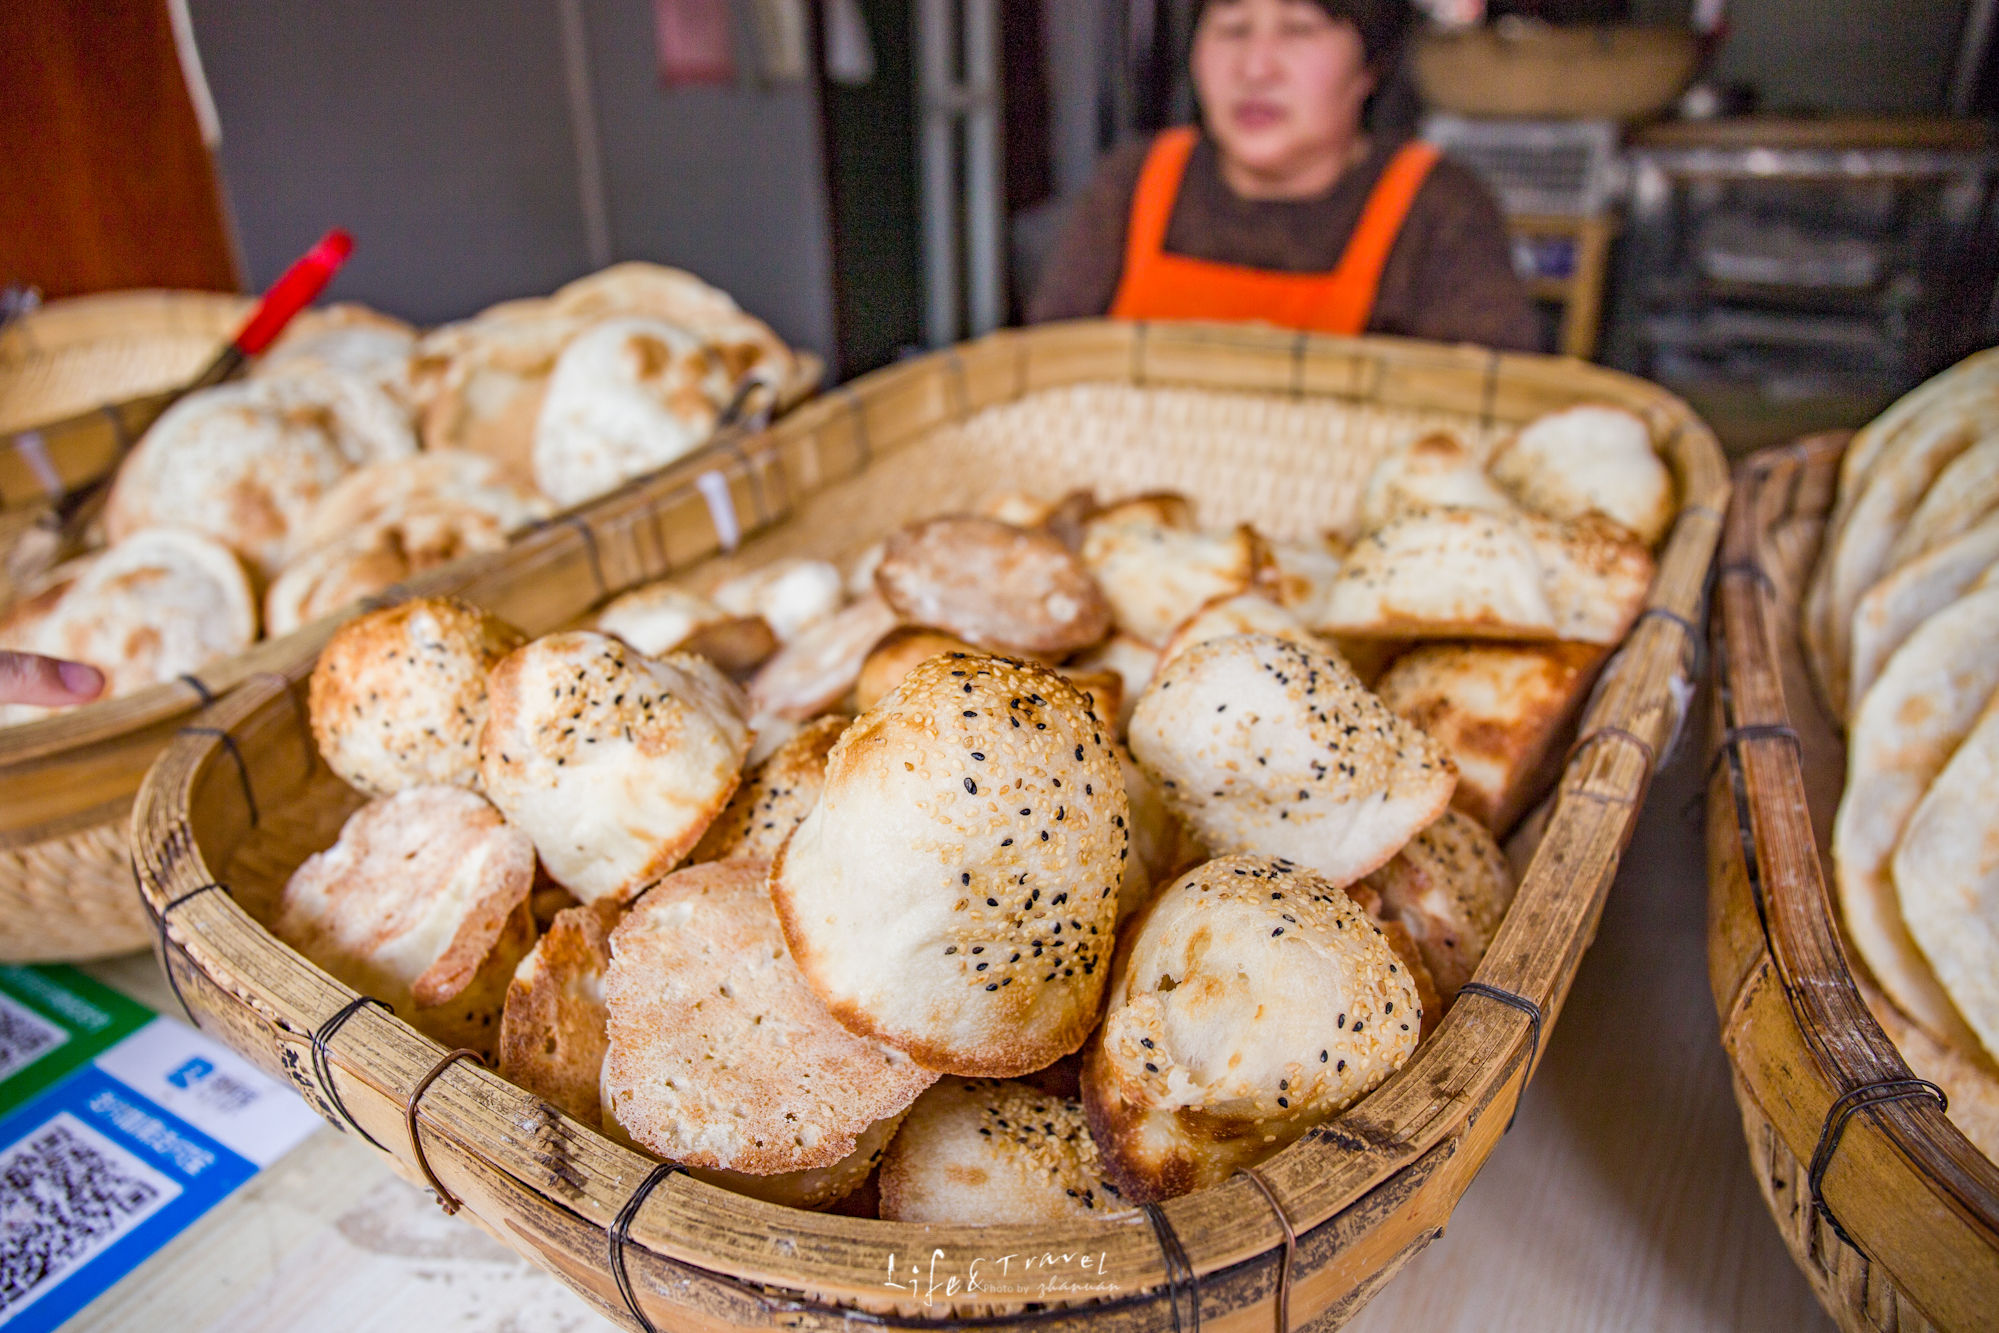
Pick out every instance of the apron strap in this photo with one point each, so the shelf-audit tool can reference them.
(1152, 210)
(1357, 280)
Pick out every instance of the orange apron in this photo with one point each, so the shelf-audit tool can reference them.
(1158, 285)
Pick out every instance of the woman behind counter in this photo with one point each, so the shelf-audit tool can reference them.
(1283, 210)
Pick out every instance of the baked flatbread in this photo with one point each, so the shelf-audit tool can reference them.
(1856, 549)
(1963, 493)
(246, 462)
(1929, 696)
(1946, 871)
(1156, 576)
(1893, 608)
(483, 380)
(161, 603)
(627, 397)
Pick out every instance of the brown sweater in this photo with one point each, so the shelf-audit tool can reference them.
(1450, 276)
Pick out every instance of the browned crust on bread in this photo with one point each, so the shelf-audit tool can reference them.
(994, 585)
(552, 1036)
(774, 798)
(901, 651)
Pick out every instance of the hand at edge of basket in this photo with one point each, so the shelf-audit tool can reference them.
(50, 682)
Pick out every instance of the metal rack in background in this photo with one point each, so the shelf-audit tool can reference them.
(1787, 275)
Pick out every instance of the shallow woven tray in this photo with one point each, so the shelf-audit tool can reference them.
(225, 816)
(1902, 1229)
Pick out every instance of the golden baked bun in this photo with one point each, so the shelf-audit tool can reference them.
(745, 344)
(720, 1056)
(1500, 710)
(422, 903)
(1253, 1001)
(954, 892)
(1592, 459)
(552, 1034)
(245, 462)
(775, 798)
(454, 478)
(818, 1187)
(1449, 888)
(398, 696)
(480, 382)
(1264, 746)
(901, 651)
(1433, 470)
(613, 762)
(989, 1152)
(996, 586)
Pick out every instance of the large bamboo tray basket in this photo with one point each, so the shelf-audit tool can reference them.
(1258, 425)
(1890, 1211)
(67, 781)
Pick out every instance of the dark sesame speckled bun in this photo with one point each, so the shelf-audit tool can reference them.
(954, 892)
(398, 696)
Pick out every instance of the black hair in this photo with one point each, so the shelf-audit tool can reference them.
(1384, 26)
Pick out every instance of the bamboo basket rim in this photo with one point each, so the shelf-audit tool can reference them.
(130, 313)
(1439, 1098)
(126, 730)
(1760, 775)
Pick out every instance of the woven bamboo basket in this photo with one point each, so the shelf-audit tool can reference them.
(1890, 1211)
(64, 893)
(67, 781)
(1258, 425)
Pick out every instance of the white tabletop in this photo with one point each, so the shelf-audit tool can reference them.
(1621, 1199)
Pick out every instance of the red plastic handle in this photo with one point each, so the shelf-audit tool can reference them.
(294, 291)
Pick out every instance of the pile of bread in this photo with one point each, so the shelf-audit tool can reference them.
(1901, 628)
(1047, 861)
(359, 452)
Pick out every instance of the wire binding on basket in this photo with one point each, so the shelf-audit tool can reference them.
(1752, 570)
(1752, 731)
(1695, 639)
(1533, 1012)
(235, 753)
(446, 1200)
(1179, 1269)
(1290, 1247)
(620, 1234)
(1834, 1129)
(857, 412)
(1298, 346)
(322, 1062)
(166, 943)
(1489, 395)
(118, 432)
(201, 691)
(582, 528)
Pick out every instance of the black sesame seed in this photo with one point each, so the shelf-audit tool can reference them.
(971, 786)
(979, 755)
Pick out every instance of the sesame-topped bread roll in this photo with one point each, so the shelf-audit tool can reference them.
(552, 1033)
(1449, 888)
(613, 762)
(1264, 746)
(988, 1152)
(422, 903)
(776, 797)
(994, 585)
(1244, 613)
(1254, 1001)
(954, 892)
(720, 1056)
(398, 696)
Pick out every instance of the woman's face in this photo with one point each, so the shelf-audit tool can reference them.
(1281, 85)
